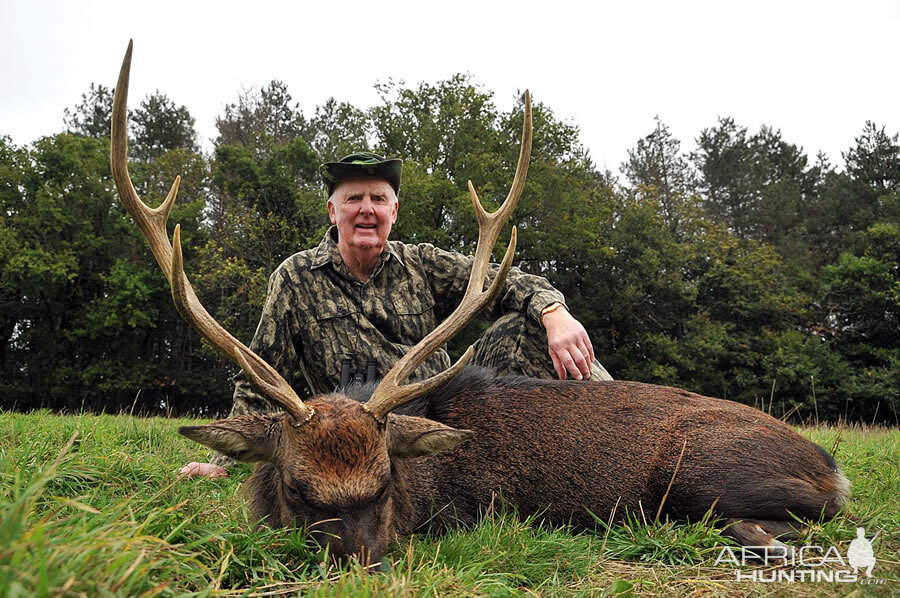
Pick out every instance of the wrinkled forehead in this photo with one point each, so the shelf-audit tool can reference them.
(366, 184)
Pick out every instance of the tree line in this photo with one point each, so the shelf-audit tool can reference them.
(744, 269)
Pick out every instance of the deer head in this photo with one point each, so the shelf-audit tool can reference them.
(332, 461)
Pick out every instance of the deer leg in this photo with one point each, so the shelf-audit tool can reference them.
(762, 535)
(782, 530)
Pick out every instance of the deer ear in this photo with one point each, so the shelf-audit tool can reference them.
(416, 436)
(246, 438)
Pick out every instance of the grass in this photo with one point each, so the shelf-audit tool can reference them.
(91, 506)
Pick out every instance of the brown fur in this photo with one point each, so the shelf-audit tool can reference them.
(558, 448)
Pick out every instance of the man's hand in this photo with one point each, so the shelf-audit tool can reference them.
(569, 345)
(195, 470)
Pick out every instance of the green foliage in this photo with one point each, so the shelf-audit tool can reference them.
(862, 302)
(442, 127)
(339, 129)
(90, 319)
(657, 171)
(266, 206)
(863, 290)
(759, 186)
(874, 166)
(62, 225)
(429, 202)
(738, 269)
(160, 126)
(91, 118)
(261, 119)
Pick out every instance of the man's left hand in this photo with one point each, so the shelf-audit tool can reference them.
(569, 345)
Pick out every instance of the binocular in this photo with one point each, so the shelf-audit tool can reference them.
(349, 373)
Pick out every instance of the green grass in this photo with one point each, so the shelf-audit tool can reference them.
(91, 506)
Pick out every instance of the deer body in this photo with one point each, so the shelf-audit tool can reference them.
(562, 449)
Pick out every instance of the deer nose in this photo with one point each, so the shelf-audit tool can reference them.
(357, 539)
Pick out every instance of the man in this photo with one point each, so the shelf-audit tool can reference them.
(361, 301)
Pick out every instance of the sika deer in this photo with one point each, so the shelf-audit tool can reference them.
(367, 465)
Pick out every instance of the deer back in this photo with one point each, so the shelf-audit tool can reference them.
(563, 447)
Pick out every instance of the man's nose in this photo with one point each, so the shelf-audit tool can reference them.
(367, 207)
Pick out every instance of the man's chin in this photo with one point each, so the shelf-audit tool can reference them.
(368, 242)
(367, 237)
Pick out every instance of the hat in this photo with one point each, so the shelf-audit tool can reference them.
(361, 164)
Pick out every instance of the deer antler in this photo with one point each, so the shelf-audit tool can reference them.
(152, 223)
(391, 392)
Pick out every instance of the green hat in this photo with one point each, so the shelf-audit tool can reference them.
(361, 164)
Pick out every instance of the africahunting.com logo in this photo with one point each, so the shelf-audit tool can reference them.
(806, 564)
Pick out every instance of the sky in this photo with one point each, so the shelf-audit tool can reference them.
(817, 71)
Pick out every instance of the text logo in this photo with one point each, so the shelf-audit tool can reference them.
(811, 563)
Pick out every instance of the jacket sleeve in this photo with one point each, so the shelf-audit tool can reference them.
(274, 342)
(448, 273)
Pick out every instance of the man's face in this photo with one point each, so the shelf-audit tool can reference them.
(364, 210)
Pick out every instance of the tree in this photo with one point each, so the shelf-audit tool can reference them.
(862, 288)
(338, 129)
(159, 126)
(63, 230)
(656, 169)
(91, 117)
(759, 186)
(444, 127)
(723, 159)
(874, 166)
(15, 172)
(261, 119)
(87, 317)
(265, 206)
(142, 341)
(862, 303)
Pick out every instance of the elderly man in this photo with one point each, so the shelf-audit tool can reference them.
(358, 302)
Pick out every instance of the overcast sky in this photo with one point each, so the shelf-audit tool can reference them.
(815, 70)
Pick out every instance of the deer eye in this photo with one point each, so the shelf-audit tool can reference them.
(382, 494)
(294, 493)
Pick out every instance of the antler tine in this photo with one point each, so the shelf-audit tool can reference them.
(488, 230)
(152, 223)
(391, 392)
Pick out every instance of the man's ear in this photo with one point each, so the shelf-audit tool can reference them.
(331, 211)
(395, 211)
(246, 438)
(410, 436)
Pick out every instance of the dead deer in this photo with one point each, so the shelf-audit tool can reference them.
(367, 465)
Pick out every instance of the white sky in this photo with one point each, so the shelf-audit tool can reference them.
(817, 70)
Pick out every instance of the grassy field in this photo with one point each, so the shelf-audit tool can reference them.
(91, 506)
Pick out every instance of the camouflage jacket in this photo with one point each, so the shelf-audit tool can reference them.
(317, 313)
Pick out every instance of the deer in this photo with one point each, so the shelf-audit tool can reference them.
(365, 465)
